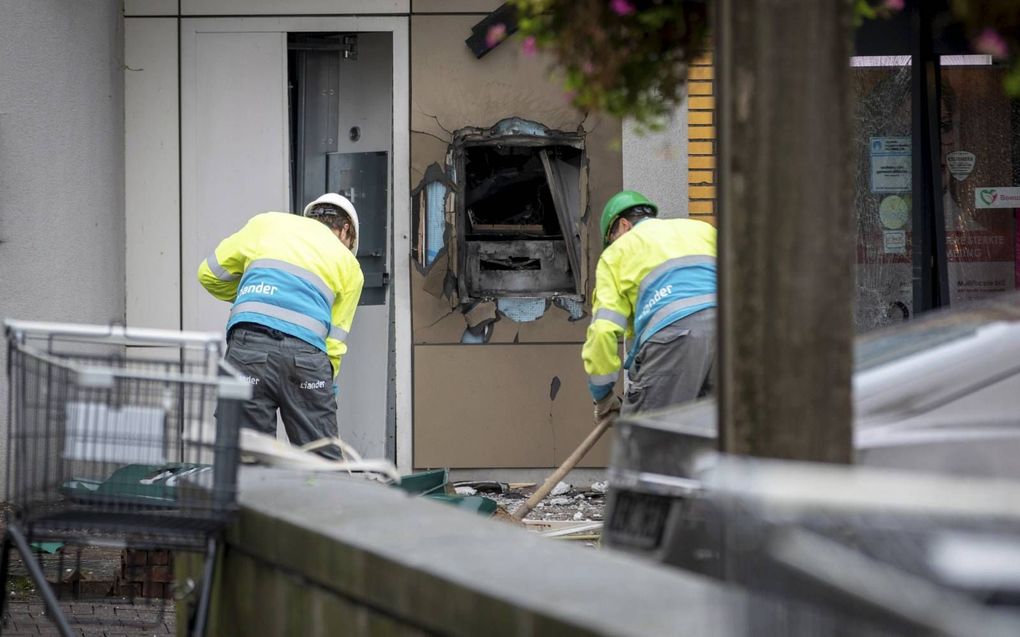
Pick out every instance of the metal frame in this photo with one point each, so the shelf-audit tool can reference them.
(930, 270)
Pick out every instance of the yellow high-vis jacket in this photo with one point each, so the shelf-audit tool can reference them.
(289, 273)
(657, 273)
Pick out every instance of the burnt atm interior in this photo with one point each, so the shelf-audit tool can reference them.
(505, 218)
(519, 216)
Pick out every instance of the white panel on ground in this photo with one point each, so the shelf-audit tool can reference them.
(234, 147)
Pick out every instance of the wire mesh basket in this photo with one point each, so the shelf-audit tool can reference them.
(122, 447)
(120, 433)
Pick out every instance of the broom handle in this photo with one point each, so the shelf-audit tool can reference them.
(563, 469)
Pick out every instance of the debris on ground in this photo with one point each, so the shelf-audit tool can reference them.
(483, 486)
(561, 488)
(600, 487)
(465, 490)
(564, 513)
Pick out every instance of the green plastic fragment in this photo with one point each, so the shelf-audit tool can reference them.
(435, 485)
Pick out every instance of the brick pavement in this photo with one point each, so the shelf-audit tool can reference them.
(93, 618)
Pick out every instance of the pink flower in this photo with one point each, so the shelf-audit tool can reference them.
(529, 45)
(495, 34)
(991, 43)
(894, 5)
(622, 7)
(587, 68)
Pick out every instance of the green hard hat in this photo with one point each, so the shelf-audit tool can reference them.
(619, 203)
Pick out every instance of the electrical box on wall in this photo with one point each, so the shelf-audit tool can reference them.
(339, 105)
(363, 178)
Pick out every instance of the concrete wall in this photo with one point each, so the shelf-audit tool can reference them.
(327, 555)
(655, 163)
(61, 164)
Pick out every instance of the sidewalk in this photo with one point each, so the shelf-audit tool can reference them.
(94, 618)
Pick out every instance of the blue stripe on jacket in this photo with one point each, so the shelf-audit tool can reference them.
(683, 282)
(285, 290)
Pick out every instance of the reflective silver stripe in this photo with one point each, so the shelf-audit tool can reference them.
(299, 272)
(679, 262)
(604, 379)
(218, 271)
(610, 315)
(337, 332)
(297, 318)
(674, 306)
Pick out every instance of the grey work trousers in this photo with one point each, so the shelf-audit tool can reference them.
(675, 365)
(288, 374)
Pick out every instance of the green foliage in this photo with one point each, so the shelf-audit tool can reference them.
(623, 57)
(629, 58)
(994, 29)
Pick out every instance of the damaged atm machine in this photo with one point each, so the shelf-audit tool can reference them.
(505, 176)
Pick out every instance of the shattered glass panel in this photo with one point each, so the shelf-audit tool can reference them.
(978, 172)
(882, 193)
(435, 225)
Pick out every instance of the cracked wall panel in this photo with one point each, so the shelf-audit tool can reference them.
(433, 319)
(448, 82)
(555, 327)
(425, 151)
(488, 407)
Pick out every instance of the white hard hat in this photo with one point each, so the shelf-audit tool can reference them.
(344, 204)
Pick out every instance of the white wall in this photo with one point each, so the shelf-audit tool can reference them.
(212, 152)
(366, 101)
(61, 164)
(152, 173)
(656, 164)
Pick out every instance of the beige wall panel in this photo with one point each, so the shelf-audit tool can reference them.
(433, 318)
(449, 83)
(490, 406)
(292, 7)
(555, 326)
(426, 150)
(455, 6)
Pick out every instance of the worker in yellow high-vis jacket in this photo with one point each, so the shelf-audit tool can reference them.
(295, 282)
(655, 283)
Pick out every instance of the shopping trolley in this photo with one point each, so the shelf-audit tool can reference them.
(118, 437)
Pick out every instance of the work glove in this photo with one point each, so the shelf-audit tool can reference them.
(607, 409)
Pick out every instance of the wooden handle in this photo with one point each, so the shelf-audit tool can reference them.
(563, 469)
